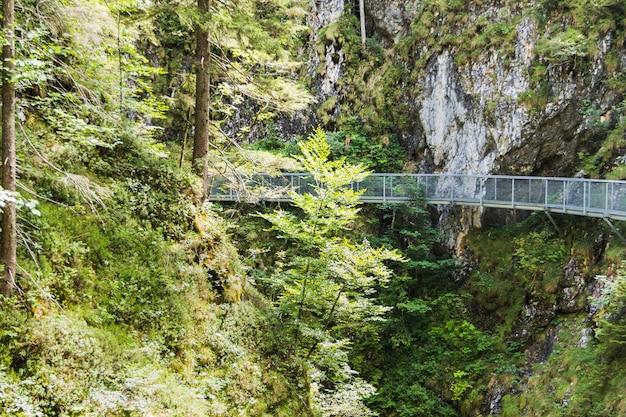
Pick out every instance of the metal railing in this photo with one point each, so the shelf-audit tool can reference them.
(580, 196)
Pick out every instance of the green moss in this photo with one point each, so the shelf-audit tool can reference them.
(574, 380)
(535, 100)
(612, 62)
(617, 173)
(511, 406)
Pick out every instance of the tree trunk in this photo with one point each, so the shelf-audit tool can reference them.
(185, 136)
(362, 16)
(203, 93)
(8, 239)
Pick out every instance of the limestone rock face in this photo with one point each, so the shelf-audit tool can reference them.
(391, 19)
(474, 115)
(470, 116)
(324, 13)
(573, 296)
(471, 119)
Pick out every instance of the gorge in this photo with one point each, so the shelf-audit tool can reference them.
(138, 293)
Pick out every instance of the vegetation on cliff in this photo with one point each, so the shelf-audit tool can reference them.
(533, 57)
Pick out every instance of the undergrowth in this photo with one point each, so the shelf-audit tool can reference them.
(522, 274)
(133, 301)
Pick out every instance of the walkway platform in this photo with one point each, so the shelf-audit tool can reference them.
(578, 196)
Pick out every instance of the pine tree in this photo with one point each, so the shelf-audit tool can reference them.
(244, 59)
(8, 242)
(203, 91)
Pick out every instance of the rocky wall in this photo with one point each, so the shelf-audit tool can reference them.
(474, 116)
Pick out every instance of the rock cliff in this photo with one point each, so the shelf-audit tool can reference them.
(485, 86)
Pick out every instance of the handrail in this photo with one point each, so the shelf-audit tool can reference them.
(579, 196)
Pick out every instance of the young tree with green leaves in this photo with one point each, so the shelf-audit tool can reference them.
(328, 283)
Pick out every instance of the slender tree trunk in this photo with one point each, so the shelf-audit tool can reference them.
(203, 94)
(328, 320)
(8, 239)
(362, 16)
(185, 136)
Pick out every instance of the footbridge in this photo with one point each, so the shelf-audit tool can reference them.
(578, 196)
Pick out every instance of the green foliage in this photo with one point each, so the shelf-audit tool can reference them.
(254, 47)
(564, 46)
(62, 365)
(525, 261)
(272, 142)
(607, 161)
(574, 380)
(409, 359)
(571, 32)
(80, 80)
(612, 306)
(327, 282)
(118, 319)
(383, 155)
(72, 266)
(515, 261)
(446, 362)
(369, 89)
(346, 400)
(146, 189)
(407, 227)
(14, 398)
(327, 260)
(460, 385)
(130, 292)
(533, 252)
(132, 297)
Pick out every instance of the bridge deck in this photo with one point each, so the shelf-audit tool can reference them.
(579, 196)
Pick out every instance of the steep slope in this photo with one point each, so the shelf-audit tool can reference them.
(131, 298)
(550, 297)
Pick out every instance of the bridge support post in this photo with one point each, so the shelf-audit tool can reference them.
(615, 229)
(556, 226)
